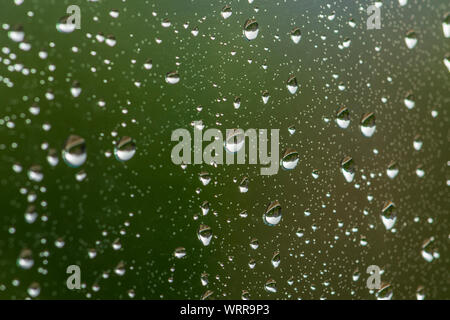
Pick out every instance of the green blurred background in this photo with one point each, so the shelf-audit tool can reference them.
(153, 206)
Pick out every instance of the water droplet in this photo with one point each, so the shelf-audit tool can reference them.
(16, 34)
(352, 23)
(204, 279)
(276, 259)
(111, 40)
(226, 12)
(429, 250)
(207, 295)
(245, 295)
(419, 171)
(235, 140)
(125, 149)
(34, 290)
(194, 31)
(418, 143)
(251, 29)
(315, 173)
(204, 177)
(114, 13)
(65, 25)
(446, 25)
(172, 77)
(409, 100)
(389, 215)
(35, 173)
(411, 39)
(31, 214)
(367, 125)
(420, 293)
(272, 216)
(76, 89)
(204, 234)
(166, 23)
(385, 292)
(243, 186)
(290, 159)
(296, 35)
(74, 151)
(265, 97)
(180, 252)
(52, 157)
(291, 130)
(343, 117)
(292, 85)
(120, 269)
(271, 286)
(392, 170)
(237, 103)
(25, 259)
(254, 244)
(356, 275)
(348, 168)
(148, 64)
(116, 245)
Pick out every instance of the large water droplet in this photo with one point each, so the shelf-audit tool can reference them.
(16, 34)
(180, 252)
(226, 12)
(204, 234)
(235, 140)
(290, 159)
(420, 293)
(204, 177)
(74, 151)
(417, 143)
(34, 290)
(388, 215)
(367, 124)
(446, 25)
(343, 117)
(65, 25)
(251, 29)
(272, 215)
(409, 100)
(392, 170)
(296, 35)
(243, 186)
(271, 286)
(411, 39)
(429, 250)
(25, 259)
(265, 97)
(385, 292)
(276, 259)
(292, 85)
(172, 77)
(348, 168)
(125, 149)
